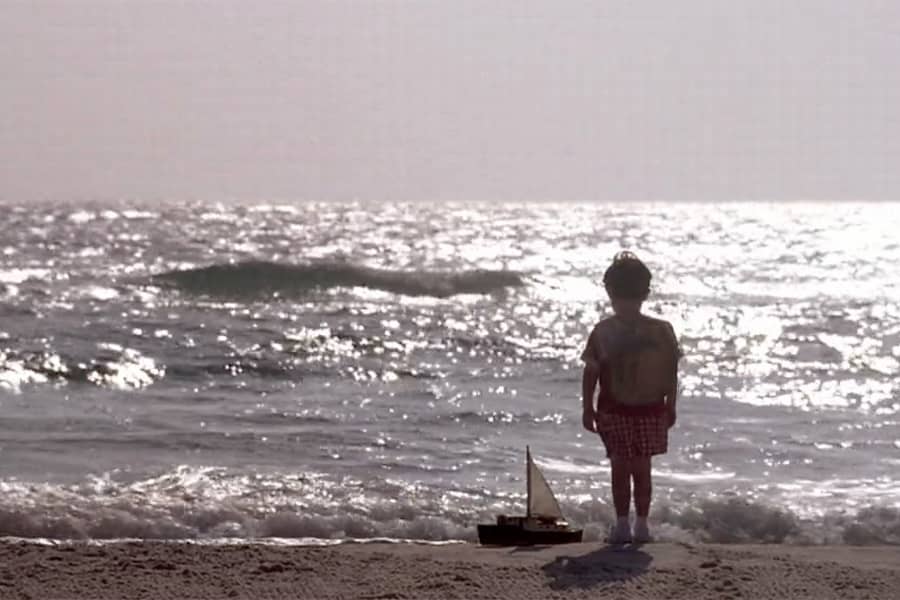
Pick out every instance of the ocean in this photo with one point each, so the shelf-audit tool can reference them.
(320, 372)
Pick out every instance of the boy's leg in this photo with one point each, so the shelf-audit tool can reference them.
(621, 490)
(621, 485)
(640, 471)
(643, 486)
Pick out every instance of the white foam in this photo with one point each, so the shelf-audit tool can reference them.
(98, 292)
(210, 505)
(21, 275)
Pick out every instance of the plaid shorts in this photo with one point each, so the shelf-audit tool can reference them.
(627, 436)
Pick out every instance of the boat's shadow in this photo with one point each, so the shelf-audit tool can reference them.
(604, 565)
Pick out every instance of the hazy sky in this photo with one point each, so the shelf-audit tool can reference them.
(449, 100)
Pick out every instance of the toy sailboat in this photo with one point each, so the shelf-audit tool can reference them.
(543, 522)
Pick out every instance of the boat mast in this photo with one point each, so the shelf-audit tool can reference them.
(528, 482)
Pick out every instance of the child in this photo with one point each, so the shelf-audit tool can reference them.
(634, 359)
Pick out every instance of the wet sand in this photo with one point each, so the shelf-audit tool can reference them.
(394, 571)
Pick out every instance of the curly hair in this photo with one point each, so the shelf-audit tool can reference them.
(627, 277)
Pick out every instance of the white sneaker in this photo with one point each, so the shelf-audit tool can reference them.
(641, 533)
(620, 533)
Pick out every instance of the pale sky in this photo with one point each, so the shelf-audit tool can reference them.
(268, 100)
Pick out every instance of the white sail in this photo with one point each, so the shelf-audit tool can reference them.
(541, 501)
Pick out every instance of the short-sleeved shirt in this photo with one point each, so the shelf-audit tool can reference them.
(637, 360)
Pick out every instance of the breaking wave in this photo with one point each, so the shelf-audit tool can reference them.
(116, 368)
(193, 503)
(266, 279)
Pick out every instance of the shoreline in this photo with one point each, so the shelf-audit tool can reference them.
(377, 570)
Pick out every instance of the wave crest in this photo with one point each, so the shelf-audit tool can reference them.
(116, 368)
(214, 504)
(261, 279)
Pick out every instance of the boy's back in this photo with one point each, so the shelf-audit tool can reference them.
(637, 360)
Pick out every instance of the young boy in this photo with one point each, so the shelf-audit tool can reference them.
(634, 359)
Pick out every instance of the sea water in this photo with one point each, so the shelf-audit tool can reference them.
(360, 370)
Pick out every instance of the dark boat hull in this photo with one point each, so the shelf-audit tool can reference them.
(510, 535)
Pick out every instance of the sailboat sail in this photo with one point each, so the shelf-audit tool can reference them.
(541, 501)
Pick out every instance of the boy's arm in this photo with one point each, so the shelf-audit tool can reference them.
(672, 393)
(672, 388)
(589, 378)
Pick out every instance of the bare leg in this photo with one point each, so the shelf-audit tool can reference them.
(621, 485)
(643, 487)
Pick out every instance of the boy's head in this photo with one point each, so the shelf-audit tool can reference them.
(627, 281)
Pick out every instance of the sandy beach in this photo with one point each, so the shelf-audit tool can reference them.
(394, 571)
